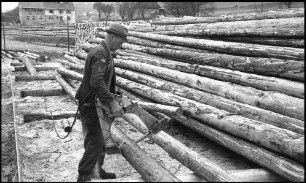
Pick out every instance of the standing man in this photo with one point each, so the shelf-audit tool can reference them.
(98, 81)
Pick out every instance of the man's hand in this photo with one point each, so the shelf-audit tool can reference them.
(116, 108)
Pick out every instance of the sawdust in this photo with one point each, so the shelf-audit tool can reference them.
(45, 157)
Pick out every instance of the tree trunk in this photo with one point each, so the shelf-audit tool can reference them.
(72, 83)
(296, 43)
(288, 87)
(81, 55)
(273, 101)
(229, 105)
(148, 106)
(266, 135)
(68, 89)
(228, 18)
(73, 60)
(195, 162)
(253, 50)
(280, 165)
(145, 42)
(147, 167)
(71, 65)
(33, 78)
(41, 93)
(288, 69)
(28, 64)
(282, 28)
(47, 115)
(71, 74)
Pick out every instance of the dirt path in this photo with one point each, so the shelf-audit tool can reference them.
(45, 157)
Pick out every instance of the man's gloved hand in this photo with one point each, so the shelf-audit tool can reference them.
(116, 108)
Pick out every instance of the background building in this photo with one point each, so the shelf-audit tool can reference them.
(38, 13)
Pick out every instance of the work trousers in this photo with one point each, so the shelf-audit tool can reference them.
(93, 140)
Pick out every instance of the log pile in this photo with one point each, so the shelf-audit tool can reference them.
(248, 97)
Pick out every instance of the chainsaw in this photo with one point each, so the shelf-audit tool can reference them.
(106, 119)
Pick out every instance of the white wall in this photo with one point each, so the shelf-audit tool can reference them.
(64, 15)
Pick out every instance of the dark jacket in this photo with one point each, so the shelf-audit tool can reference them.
(99, 70)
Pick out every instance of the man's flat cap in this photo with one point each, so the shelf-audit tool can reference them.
(118, 29)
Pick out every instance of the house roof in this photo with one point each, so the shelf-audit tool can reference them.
(146, 5)
(48, 5)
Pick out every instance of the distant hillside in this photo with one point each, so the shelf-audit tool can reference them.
(11, 15)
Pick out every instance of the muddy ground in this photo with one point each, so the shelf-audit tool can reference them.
(45, 157)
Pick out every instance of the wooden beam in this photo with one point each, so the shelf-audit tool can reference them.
(41, 93)
(68, 89)
(33, 78)
(34, 116)
(147, 167)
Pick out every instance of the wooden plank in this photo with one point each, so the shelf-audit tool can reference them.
(41, 93)
(34, 116)
(33, 78)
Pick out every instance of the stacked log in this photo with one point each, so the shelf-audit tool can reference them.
(245, 95)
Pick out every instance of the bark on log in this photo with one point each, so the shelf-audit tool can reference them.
(71, 65)
(284, 27)
(299, 12)
(273, 101)
(253, 50)
(71, 74)
(278, 164)
(81, 55)
(296, 43)
(145, 42)
(147, 167)
(27, 55)
(148, 106)
(266, 135)
(28, 64)
(132, 96)
(74, 60)
(265, 83)
(68, 89)
(16, 64)
(33, 78)
(200, 165)
(41, 93)
(229, 105)
(72, 83)
(288, 69)
(47, 115)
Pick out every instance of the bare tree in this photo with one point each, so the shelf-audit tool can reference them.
(176, 8)
(126, 10)
(98, 6)
(107, 9)
(189, 8)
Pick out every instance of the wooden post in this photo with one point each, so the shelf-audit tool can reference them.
(68, 31)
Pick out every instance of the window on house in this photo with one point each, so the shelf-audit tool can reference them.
(61, 11)
(40, 18)
(68, 18)
(57, 18)
(50, 18)
(34, 10)
(28, 17)
(33, 18)
(50, 11)
(39, 10)
(68, 11)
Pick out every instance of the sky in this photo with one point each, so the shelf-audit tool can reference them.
(6, 6)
